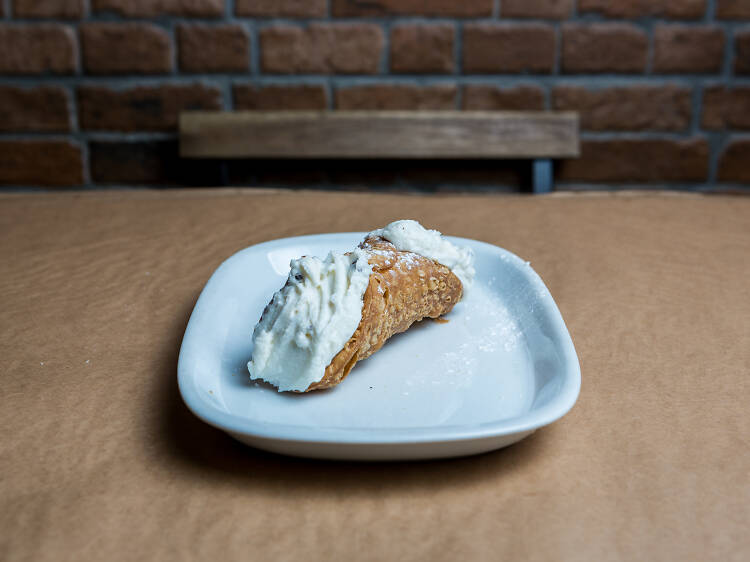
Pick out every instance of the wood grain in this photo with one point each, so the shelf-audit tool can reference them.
(378, 134)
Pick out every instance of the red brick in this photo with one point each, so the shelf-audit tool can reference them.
(151, 8)
(37, 49)
(491, 48)
(422, 48)
(281, 8)
(322, 48)
(486, 97)
(123, 48)
(679, 48)
(396, 96)
(44, 163)
(638, 160)
(443, 8)
(742, 52)
(41, 109)
(296, 96)
(64, 9)
(733, 9)
(549, 9)
(677, 9)
(627, 108)
(733, 161)
(221, 48)
(726, 108)
(143, 108)
(603, 47)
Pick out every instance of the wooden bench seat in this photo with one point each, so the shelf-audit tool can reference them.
(539, 136)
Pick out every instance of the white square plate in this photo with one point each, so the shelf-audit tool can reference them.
(502, 366)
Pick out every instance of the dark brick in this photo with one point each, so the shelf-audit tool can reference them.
(281, 8)
(40, 162)
(638, 160)
(143, 108)
(603, 47)
(124, 48)
(742, 52)
(39, 109)
(733, 9)
(549, 9)
(627, 108)
(37, 49)
(422, 48)
(396, 96)
(676, 9)
(151, 8)
(496, 48)
(679, 48)
(442, 8)
(279, 97)
(220, 48)
(726, 107)
(148, 163)
(733, 161)
(63, 9)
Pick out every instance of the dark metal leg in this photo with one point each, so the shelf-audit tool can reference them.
(224, 173)
(542, 175)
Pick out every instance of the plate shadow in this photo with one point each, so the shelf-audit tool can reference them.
(194, 446)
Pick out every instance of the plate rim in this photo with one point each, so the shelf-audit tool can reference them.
(557, 407)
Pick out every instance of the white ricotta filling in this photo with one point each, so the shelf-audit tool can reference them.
(309, 320)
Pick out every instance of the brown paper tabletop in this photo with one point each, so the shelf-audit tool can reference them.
(100, 459)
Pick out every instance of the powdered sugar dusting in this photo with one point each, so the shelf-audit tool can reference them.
(410, 236)
(499, 341)
(501, 333)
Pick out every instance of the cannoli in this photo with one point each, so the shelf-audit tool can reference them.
(333, 312)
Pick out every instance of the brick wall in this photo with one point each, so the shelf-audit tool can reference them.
(90, 90)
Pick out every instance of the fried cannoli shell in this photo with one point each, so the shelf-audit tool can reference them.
(404, 288)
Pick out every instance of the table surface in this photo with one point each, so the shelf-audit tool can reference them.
(100, 459)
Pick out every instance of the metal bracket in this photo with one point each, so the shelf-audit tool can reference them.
(542, 175)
